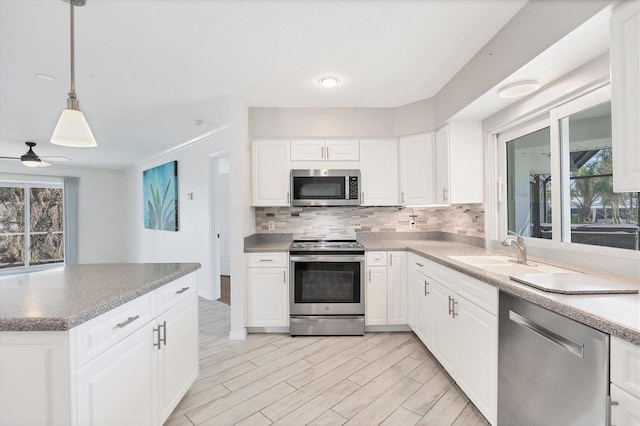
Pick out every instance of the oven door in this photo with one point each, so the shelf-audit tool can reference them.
(327, 284)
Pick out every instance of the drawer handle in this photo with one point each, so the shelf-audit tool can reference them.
(426, 288)
(419, 264)
(266, 260)
(182, 290)
(127, 321)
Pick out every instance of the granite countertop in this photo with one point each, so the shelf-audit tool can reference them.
(615, 314)
(62, 298)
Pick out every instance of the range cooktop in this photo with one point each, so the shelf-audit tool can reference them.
(328, 245)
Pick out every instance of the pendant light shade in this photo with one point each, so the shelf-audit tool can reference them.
(72, 128)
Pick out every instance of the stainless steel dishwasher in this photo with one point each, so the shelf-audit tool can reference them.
(551, 370)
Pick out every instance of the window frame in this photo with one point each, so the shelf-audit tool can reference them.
(618, 260)
(27, 183)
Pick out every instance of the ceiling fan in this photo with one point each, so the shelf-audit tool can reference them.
(31, 159)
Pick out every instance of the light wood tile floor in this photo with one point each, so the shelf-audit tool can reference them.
(378, 379)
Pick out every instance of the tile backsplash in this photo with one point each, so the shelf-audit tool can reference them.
(344, 222)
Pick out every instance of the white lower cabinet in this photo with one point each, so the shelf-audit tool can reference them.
(625, 383)
(120, 386)
(386, 288)
(267, 290)
(460, 333)
(141, 379)
(419, 294)
(128, 366)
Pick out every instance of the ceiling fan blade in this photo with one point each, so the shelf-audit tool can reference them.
(10, 158)
(55, 158)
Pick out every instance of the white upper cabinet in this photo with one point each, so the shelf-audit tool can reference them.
(441, 165)
(379, 172)
(458, 145)
(417, 185)
(324, 150)
(271, 172)
(625, 96)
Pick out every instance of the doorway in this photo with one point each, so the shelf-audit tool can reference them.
(221, 226)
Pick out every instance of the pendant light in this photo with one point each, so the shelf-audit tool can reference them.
(72, 128)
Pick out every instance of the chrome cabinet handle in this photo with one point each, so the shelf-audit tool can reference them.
(450, 305)
(161, 340)
(402, 197)
(453, 308)
(390, 259)
(369, 275)
(182, 290)
(266, 260)
(426, 287)
(444, 194)
(127, 321)
(327, 153)
(284, 277)
(419, 264)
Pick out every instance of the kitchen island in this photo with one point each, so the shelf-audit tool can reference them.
(97, 344)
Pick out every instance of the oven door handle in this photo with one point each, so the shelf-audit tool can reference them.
(327, 258)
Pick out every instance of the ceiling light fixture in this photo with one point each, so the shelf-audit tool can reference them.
(72, 128)
(30, 159)
(518, 89)
(328, 81)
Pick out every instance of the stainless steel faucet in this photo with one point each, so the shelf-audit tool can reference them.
(518, 245)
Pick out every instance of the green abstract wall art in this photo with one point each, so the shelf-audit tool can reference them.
(160, 197)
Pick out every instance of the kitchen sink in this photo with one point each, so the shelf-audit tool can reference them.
(506, 265)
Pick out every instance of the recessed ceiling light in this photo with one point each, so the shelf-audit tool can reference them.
(328, 81)
(46, 77)
(518, 89)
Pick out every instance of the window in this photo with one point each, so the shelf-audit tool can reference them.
(559, 179)
(31, 224)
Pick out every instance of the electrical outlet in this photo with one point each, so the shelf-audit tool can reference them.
(272, 225)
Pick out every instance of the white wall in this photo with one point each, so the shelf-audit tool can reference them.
(101, 218)
(191, 243)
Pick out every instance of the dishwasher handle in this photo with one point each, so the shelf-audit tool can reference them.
(576, 348)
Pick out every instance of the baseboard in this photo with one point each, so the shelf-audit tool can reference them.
(383, 328)
(238, 334)
(268, 330)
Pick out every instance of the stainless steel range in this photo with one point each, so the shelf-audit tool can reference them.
(327, 288)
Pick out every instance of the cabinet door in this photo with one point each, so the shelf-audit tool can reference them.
(307, 150)
(342, 150)
(376, 296)
(420, 296)
(271, 173)
(397, 287)
(625, 89)
(441, 149)
(625, 408)
(477, 354)
(119, 387)
(379, 172)
(268, 297)
(466, 183)
(444, 334)
(417, 186)
(178, 365)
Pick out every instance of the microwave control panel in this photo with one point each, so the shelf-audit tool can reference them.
(353, 187)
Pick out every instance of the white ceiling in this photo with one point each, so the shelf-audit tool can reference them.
(146, 69)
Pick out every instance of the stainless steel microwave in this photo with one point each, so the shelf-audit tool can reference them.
(323, 187)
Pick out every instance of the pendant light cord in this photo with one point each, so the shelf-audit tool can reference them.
(72, 102)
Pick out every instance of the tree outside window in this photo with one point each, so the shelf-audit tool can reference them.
(31, 225)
